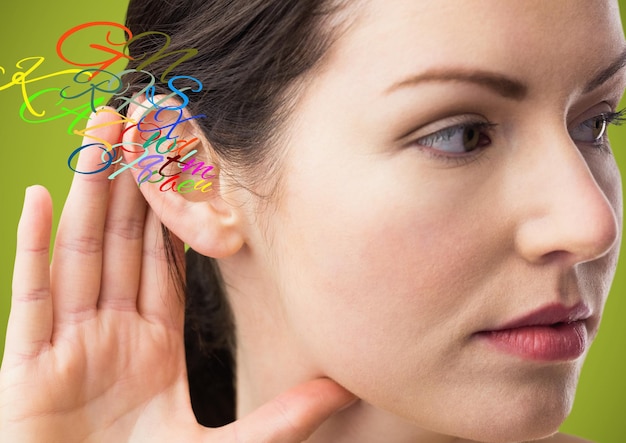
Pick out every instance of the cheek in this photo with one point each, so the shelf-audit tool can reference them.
(384, 302)
(373, 275)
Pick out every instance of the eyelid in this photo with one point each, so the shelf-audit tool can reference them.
(599, 109)
(485, 126)
(437, 132)
(601, 142)
(443, 124)
(611, 118)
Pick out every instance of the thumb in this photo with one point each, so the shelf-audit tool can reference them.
(292, 416)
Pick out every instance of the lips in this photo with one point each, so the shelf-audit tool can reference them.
(551, 333)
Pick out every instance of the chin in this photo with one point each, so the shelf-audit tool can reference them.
(526, 418)
(519, 431)
(525, 406)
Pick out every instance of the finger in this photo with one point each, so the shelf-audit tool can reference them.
(77, 259)
(293, 416)
(160, 298)
(30, 321)
(123, 239)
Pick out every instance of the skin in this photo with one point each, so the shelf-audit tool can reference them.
(384, 260)
(375, 264)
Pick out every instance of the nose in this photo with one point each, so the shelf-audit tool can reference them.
(565, 212)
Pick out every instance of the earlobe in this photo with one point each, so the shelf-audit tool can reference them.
(169, 159)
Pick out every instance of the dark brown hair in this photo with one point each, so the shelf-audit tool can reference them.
(250, 54)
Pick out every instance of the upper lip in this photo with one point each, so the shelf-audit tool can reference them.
(549, 315)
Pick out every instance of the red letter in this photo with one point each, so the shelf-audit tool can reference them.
(172, 185)
(102, 65)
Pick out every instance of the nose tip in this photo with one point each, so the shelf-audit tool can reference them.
(572, 218)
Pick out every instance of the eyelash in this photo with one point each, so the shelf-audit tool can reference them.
(485, 129)
(616, 118)
(610, 118)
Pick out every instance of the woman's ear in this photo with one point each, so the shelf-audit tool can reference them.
(171, 162)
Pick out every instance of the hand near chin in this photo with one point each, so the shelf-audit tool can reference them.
(94, 349)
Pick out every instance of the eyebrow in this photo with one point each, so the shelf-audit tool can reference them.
(607, 73)
(505, 86)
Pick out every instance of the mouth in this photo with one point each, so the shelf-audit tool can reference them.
(552, 333)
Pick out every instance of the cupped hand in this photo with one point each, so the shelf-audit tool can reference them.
(94, 348)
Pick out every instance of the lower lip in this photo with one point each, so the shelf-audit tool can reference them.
(560, 342)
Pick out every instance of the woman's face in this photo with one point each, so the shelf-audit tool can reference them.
(445, 176)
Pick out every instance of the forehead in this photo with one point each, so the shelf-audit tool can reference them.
(559, 40)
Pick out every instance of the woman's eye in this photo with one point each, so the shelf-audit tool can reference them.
(458, 139)
(594, 129)
(590, 131)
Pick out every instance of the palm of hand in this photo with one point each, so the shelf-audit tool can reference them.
(94, 349)
(99, 381)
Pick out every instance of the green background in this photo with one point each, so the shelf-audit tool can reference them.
(35, 154)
